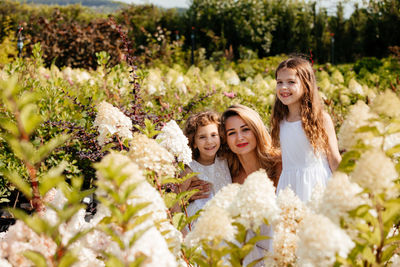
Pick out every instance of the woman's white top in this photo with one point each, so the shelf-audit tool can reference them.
(217, 174)
(302, 169)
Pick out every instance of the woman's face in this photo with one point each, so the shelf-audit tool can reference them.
(240, 138)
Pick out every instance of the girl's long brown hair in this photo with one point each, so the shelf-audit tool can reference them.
(310, 106)
(269, 157)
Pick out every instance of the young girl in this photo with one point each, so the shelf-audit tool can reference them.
(304, 132)
(202, 130)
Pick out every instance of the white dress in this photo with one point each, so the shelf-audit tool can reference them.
(217, 173)
(302, 169)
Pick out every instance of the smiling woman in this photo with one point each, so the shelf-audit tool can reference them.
(247, 144)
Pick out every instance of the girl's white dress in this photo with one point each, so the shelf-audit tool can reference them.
(302, 169)
(217, 173)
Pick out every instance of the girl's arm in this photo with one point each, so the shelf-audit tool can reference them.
(334, 157)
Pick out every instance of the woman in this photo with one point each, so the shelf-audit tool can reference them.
(248, 148)
(247, 144)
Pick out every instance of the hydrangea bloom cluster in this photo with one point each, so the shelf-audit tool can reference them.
(149, 155)
(340, 197)
(20, 238)
(255, 201)
(215, 223)
(320, 240)
(173, 139)
(125, 166)
(359, 115)
(109, 121)
(375, 171)
(387, 104)
(285, 239)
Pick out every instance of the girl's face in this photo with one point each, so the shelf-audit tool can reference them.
(240, 138)
(207, 141)
(289, 89)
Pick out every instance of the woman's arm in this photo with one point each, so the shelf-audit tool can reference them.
(195, 183)
(334, 157)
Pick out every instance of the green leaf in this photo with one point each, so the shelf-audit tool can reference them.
(137, 235)
(348, 161)
(257, 238)
(389, 252)
(9, 125)
(24, 150)
(241, 232)
(37, 258)
(114, 236)
(245, 250)
(133, 210)
(52, 178)
(67, 260)
(138, 261)
(373, 129)
(179, 220)
(139, 220)
(393, 150)
(19, 183)
(35, 222)
(30, 120)
(45, 150)
(391, 211)
(113, 261)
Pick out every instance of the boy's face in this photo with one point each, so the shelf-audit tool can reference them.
(207, 141)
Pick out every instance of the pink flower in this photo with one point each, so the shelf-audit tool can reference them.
(230, 95)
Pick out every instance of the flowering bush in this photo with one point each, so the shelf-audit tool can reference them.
(84, 134)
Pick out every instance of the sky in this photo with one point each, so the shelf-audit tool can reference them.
(329, 4)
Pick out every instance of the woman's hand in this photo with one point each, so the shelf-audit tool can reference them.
(204, 188)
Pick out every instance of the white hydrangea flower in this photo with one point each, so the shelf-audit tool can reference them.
(153, 83)
(340, 197)
(214, 223)
(224, 197)
(284, 249)
(87, 257)
(5, 263)
(320, 241)
(20, 238)
(292, 209)
(150, 155)
(375, 171)
(110, 120)
(358, 116)
(125, 166)
(255, 201)
(316, 197)
(147, 193)
(231, 78)
(292, 213)
(387, 103)
(173, 139)
(355, 87)
(337, 77)
(154, 246)
(395, 260)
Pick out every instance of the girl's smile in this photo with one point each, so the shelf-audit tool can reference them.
(207, 141)
(289, 89)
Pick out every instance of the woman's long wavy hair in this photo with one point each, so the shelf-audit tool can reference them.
(310, 106)
(194, 122)
(269, 157)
